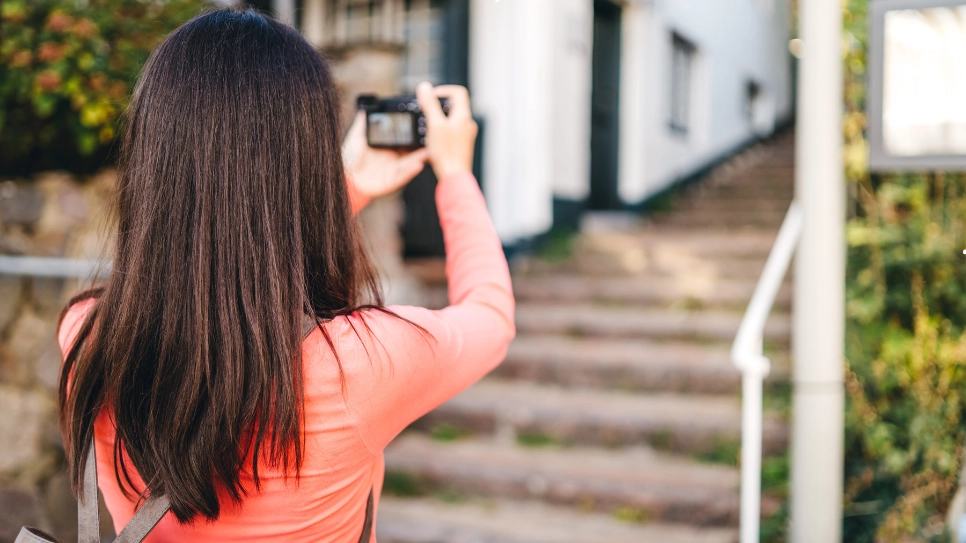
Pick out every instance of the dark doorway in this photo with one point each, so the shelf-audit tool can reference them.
(605, 106)
(421, 233)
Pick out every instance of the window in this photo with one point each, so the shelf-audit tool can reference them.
(752, 98)
(424, 33)
(354, 22)
(360, 16)
(682, 74)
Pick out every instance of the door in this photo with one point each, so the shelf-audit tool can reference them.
(605, 110)
(421, 233)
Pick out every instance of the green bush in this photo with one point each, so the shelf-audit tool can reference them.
(906, 382)
(67, 68)
(906, 313)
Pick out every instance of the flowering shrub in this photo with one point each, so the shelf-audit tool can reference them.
(67, 68)
(906, 351)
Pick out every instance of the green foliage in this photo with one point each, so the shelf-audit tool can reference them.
(535, 440)
(558, 245)
(444, 432)
(723, 451)
(907, 357)
(906, 313)
(774, 528)
(633, 515)
(775, 473)
(67, 68)
(403, 484)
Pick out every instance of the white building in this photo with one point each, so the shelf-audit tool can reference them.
(585, 104)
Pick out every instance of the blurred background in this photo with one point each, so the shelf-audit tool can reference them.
(637, 158)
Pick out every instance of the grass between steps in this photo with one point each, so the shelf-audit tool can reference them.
(408, 485)
(557, 246)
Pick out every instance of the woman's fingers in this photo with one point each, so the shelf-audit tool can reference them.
(429, 103)
(459, 99)
(411, 164)
(449, 139)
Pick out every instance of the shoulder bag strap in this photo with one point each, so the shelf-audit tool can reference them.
(88, 523)
(367, 527)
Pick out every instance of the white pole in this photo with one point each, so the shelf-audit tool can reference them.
(819, 309)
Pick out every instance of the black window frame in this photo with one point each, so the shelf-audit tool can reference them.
(681, 90)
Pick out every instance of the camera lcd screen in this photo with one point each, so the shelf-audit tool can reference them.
(390, 129)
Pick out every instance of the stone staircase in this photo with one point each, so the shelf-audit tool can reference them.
(616, 414)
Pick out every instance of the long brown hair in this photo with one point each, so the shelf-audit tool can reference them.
(234, 222)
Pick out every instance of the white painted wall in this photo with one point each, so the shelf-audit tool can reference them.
(530, 65)
(511, 74)
(736, 40)
(573, 40)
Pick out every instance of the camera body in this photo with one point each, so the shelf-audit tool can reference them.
(396, 122)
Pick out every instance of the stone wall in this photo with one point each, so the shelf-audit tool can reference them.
(52, 214)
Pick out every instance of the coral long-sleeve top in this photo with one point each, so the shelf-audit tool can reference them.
(392, 377)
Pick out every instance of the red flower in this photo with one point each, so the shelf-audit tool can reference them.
(51, 52)
(97, 82)
(84, 28)
(117, 91)
(59, 21)
(48, 80)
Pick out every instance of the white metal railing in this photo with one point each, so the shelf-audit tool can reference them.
(748, 356)
(37, 266)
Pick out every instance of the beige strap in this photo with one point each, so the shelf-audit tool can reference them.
(88, 523)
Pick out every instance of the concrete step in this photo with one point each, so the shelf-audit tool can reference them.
(765, 182)
(585, 320)
(728, 212)
(630, 365)
(709, 199)
(707, 244)
(511, 521)
(641, 265)
(650, 484)
(691, 424)
(656, 249)
(710, 204)
(727, 222)
(685, 291)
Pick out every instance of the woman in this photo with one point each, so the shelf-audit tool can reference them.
(190, 369)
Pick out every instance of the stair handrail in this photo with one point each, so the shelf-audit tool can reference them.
(747, 354)
(53, 267)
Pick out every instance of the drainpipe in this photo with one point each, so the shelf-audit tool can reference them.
(819, 307)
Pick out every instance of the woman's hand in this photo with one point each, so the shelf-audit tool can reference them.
(449, 139)
(377, 172)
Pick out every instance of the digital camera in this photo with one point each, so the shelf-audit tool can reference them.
(396, 122)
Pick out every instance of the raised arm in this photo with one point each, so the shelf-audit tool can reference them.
(405, 372)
